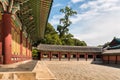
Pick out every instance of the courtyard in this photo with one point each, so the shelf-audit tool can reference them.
(83, 70)
(59, 70)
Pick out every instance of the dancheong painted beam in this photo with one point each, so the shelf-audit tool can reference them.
(21, 23)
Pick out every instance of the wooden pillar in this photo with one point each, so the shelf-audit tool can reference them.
(77, 56)
(1, 39)
(50, 55)
(40, 55)
(86, 56)
(7, 38)
(68, 56)
(108, 59)
(59, 56)
(1, 34)
(31, 50)
(21, 44)
(26, 48)
(116, 60)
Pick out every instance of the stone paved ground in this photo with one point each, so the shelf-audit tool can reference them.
(18, 67)
(26, 70)
(82, 70)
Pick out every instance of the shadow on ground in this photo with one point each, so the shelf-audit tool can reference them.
(27, 66)
(105, 64)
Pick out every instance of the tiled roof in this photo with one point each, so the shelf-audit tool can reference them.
(114, 47)
(44, 47)
(114, 51)
(115, 42)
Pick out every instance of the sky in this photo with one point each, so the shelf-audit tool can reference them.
(96, 22)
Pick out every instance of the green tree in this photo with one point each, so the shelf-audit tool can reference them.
(65, 22)
(79, 43)
(51, 36)
(63, 28)
(35, 53)
(67, 39)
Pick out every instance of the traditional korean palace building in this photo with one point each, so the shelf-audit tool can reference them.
(109, 54)
(69, 52)
(21, 23)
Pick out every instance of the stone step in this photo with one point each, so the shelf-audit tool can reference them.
(17, 76)
(42, 72)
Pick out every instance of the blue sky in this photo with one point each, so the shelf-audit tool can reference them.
(97, 21)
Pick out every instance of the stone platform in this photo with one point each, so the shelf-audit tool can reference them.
(27, 70)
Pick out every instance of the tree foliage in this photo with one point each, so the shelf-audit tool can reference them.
(65, 22)
(79, 43)
(51, 36)
(35, 53)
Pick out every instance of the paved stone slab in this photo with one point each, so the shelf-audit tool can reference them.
(27, 70)
(42, 72)
(20, 66)
(82, 70)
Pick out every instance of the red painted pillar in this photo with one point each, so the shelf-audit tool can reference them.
(86, 56)
(50, 55)
(28, 51)
(77, 56)
(7, 37)
(116, 60)
(0, 37)
(21, 45)
(31, 50)
(40, 55)
(108, 59)
(26, 48)
(68, 55)
(59, 56)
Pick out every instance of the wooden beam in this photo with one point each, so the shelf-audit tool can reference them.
(10, 6)
(108, 59)
(116, 59)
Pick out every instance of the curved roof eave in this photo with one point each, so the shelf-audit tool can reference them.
(41, 11)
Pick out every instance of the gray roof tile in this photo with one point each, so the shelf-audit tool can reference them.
(45, 47)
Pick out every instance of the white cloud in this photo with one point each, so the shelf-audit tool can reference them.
(75, 1)
(84, 6)
(99, 22)
(98, 30)
(57, 5)
(101, 5)
(55, 20)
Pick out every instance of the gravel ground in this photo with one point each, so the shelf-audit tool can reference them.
(82, 70)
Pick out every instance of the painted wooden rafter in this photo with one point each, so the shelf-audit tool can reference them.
(12, 8)
(4, 4)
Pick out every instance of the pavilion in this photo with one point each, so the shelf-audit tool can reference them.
(68, 52)
(109, 54)
(21, 23)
